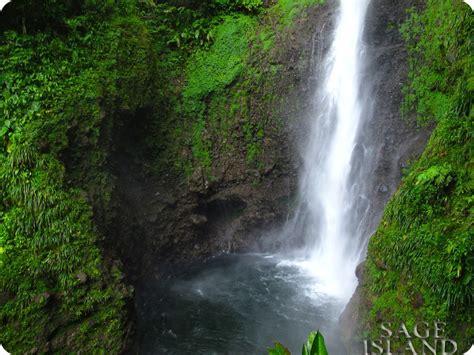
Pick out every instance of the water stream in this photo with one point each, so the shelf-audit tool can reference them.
(242, 303)
(234, 304)
(333, 208)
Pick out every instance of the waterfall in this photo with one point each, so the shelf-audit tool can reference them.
(307, 284)
(332, 207)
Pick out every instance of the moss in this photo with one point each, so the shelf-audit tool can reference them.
(214, 69)
(65, 92)
(48, 240)
(229, 89)
(208, 74)
(423, 246)
(61, 96)
(288, 9)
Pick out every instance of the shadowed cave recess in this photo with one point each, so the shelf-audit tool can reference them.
(185, 177)
(167, 227)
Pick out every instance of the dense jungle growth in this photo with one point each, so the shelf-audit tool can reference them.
(197, 82)
(72, 73)
(420, 264)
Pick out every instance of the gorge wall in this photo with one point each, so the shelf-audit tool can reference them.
(238, 171)
(142, 135)
(409, 275)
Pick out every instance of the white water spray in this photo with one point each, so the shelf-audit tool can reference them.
(327, 211)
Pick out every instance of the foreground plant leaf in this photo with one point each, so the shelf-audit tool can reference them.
(279, 349)
(315, 345)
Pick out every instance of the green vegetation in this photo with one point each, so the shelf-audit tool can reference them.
(225, 84)
(209, 72)
(314, 346)
(71, 75)
(421, 260)
(58, 92)
(289, 8)
(249, 5)
(212, 70)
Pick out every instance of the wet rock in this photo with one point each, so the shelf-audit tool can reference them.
(198, 219)
(360, 271)
(380, 264)
(396, 141)
(152, 218)
(82, 277)
(418, 301)
(268, 170)
(379, 317)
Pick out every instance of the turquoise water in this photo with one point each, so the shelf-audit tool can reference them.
(234, 304)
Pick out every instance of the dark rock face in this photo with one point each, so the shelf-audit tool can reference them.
(163, 219)
(351, 317)
(395, 141)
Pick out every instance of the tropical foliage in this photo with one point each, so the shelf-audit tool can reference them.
(315, 345)
(421, 260)
(70, 73)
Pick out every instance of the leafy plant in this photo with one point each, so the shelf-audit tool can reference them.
(58, 94)
(420, 260)
(68, 74)
(314, 346)
(249, 5)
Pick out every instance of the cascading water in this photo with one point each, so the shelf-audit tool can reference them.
(330, 196)
(242, 303)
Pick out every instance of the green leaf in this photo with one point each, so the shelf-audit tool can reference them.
(315, 345)
(3, 131)
(278, 350)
